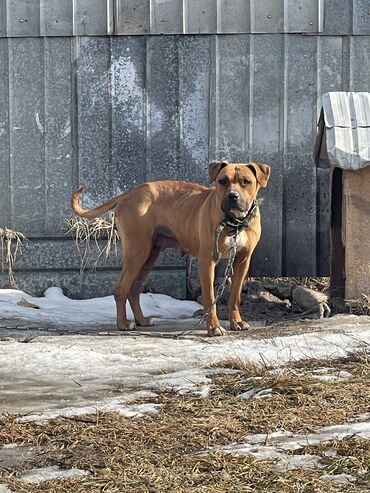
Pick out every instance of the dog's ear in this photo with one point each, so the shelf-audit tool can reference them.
(262, 172)
(214, 168)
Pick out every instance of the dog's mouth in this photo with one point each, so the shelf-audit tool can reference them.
(235, 209)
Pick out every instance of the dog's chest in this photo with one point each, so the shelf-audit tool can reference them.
(240, 240)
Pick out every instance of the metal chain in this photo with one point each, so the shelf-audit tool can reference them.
(221, 288)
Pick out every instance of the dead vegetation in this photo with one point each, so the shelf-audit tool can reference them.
(160, 453)
(11, 243)
(99, 232)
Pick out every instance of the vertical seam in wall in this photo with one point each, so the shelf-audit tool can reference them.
(317, 261)
(45, 45)
(75, 158)
(112, 172)
(250, 96)
(146, 118)
(184, 16)
(9, 137)
(11, 170)
(284, 152)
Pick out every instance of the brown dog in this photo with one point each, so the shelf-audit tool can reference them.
(175, 214)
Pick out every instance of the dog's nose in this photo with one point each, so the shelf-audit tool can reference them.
(233, 195)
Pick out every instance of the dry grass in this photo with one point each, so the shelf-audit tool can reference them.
(159, 453)
(11, 243)
(359, 307)
(87, 232)
(321, 284)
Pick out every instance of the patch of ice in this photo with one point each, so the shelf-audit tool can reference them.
(257, 393)
(4, 489)
(345, 479)
(36, 476)
(306, 461)
(259, 452)
(288, 441)
(114, 404)
(341, 375)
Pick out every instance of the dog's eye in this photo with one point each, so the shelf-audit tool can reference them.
(223, 182)
(246, 182)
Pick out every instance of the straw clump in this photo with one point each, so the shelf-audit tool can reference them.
(100, 232)
(11, 243)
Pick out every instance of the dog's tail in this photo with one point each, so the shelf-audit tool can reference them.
(90, 214)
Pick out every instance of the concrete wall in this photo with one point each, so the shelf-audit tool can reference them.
(78, 106)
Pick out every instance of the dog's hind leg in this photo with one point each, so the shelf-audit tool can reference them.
(134, 295)
(133, 261)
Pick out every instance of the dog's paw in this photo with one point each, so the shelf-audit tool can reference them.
(216, 331)
(145, 322)
(126, 326)
(239, 325)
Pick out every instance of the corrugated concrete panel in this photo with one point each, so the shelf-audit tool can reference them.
(129, 102)
(23, 17)
(300, 99)
(166, 16)
(59, 132)
(338, 17)
(91, 17)
(195, 94)
(162, 111)
(94, 119)
(200, 16)
(56, 17)
(266, 133)
(361, 17)
(234, 16)
(27, 134)
(2, 19)
(267, 16)
(132, 17)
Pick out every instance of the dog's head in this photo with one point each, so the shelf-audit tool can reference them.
(237, 185)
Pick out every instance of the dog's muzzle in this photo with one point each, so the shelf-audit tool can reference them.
(234, 205)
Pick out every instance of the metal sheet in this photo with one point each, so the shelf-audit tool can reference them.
(233, 98)
(27, 133)
(200, 16)
(162, 114)
(361, 17)
(56, 17)
(303, 16)
(267, 16)
(128, 112)
(2, 18)
(132, 17)
(166, 16)
(194, 107)
(301, 98)
(59, 132)
(234, 16)
(23, 17)
(90, 17)
(94, 119)
(338, 16)
(266, 133)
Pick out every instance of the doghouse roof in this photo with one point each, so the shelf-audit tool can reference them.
(343, 138)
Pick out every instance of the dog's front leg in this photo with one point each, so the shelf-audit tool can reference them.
(241, 267)
(207, 276)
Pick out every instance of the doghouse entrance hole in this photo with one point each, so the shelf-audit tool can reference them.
(337, 258)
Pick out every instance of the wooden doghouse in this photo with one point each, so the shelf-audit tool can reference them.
(343, 145)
